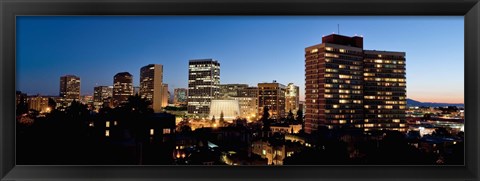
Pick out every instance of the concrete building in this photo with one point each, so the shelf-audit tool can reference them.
(229, 108)
(203, 85)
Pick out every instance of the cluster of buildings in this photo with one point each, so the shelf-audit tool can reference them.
(346, 88)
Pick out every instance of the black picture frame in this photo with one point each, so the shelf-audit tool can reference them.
(9, 9)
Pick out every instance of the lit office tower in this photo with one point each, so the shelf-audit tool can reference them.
(334, 83)
(122, 88)
(69, 89)
(203, 82)
(384, 90)
(180, 96)
(292, 98)
(346, 86)
(102, 96)
(151, 85)
(272, 95)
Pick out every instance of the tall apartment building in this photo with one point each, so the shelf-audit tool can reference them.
(292, 98)
(384, 90)
(203, 85)
(102, 96)
(335, 86)
(152, 87)
(122, 88)
(165, 95)
(272, 95)
(180, 96)
(69, 89)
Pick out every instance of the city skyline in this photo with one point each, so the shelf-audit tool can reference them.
(128, 43)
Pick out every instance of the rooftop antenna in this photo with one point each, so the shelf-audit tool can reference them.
(338, 28)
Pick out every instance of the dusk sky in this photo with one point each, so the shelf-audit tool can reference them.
(250, 49)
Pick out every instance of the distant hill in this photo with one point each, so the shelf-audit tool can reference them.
(411, 102)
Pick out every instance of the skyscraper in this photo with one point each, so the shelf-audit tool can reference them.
(151, 85)
(165, 95)
(272, 95)
(180, 96)
(335, 86)
(122, 88)
(102, 96)
(203, 82)
(292, 98)
(69, 89)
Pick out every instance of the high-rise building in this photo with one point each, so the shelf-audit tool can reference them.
(69, 89)
(334, 85)
(272, 95)
(292, 98)
(203, 85)
(102, 96)
(152, 87)
(180, 96)
(122, 88)
(384, 90)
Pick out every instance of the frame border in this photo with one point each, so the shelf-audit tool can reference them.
(470, 9)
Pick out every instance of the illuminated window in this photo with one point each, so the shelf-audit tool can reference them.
(343, 121)
(152, 131)
(107, 133)
(328, 95)
(166, 131)
(328, 85)
(114, 123)
(107, 124)
(378, 61)
(396, 120)
(342, 50)
(314, 51)
(264, 152)
(328, 48)
(343, 101)
(379, 55)
(335, 106)
(341, 66)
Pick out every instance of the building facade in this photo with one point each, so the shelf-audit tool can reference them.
(38, 103)
(384, 90)
(69, 89)
(180, 96)
(122, 88)
(335, 85)
(151, 86)
(203, 85)
(292, 98)
(230, 90)
(102, 96)
(272, 95)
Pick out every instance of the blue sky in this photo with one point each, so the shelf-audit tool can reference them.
(251, 49)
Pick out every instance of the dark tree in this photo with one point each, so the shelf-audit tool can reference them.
(290, 116)
(51, 103)
(221, 120)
